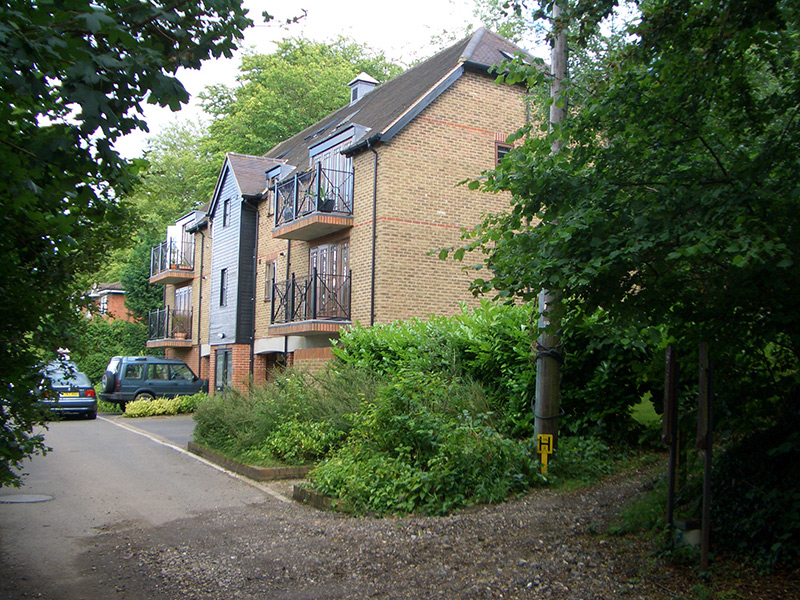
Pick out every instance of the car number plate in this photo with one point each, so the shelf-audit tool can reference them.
(70, 394)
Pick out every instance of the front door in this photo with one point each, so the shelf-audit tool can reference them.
(224, 369)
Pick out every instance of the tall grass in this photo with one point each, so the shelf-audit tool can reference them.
(274, 418)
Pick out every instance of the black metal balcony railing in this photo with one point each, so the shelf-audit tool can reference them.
(170, 255)
(315, 297)
(316, 190)
(169, 324)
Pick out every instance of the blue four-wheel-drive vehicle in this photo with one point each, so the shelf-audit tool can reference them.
(129, 378)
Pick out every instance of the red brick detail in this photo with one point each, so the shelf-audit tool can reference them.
(312, 359)
(306, 327)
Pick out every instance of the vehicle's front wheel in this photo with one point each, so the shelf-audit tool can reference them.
(144, 396)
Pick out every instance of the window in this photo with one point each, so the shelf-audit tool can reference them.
(224, 369)
(183, 299)
(158, 372)
(269, 276)
(223, 287)
(103, 305)
(226, 213)
(181, 372)
(133, 371)
(502, 151)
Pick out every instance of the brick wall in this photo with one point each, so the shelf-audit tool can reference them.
(240, 375)
(421, 208)
(312, 359)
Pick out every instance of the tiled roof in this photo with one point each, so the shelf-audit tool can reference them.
(386, 109)
(249, 172)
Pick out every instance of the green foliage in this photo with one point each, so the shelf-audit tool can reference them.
(280, 94)
(152, 408)
(73, 77)
(583, 460)
(180, 176)
(107, 407)
(103, 338)
(421, 446)
(268, 417)
(756, 495)
(489, 344)
(673, 204)
(303, 442)
(140, 295)
(606, 370)
(164, 406)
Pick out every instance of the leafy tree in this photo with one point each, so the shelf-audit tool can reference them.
(180, 176)
(674, 202)
(140, 295)
(280, 94)
(73, 76)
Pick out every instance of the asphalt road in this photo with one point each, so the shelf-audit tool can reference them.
(102, 478)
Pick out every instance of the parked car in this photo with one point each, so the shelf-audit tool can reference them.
(129, 378)
(66, 390)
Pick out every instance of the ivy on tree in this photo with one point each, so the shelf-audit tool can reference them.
(73, 77)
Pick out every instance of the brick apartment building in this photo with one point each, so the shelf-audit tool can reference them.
(334, 225)
(109, 302)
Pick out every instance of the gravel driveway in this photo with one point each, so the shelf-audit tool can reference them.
(544, 545)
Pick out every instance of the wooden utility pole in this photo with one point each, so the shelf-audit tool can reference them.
(548, 345)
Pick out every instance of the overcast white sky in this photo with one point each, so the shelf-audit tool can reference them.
(403, 30)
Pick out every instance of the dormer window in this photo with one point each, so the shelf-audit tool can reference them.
(361, 86)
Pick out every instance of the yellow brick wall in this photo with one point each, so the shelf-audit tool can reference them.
(420, 205)
(421, 208)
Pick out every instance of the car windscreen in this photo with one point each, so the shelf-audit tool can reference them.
(65, 379)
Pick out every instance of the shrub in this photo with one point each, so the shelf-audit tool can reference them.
(103, 339)
(151, 408)
(303, 442)
(756, 495)
(606, 371)
(236, 423)
(424, 446)
(164, 406)
(489, 345)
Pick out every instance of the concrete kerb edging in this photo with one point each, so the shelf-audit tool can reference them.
(300, 493)
(249, 471)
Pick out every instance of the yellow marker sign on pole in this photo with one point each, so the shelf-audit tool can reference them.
(544, 446)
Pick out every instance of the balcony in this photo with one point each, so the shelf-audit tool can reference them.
(313, 204)
(169, 327)
(172, 261)
(317, 304)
